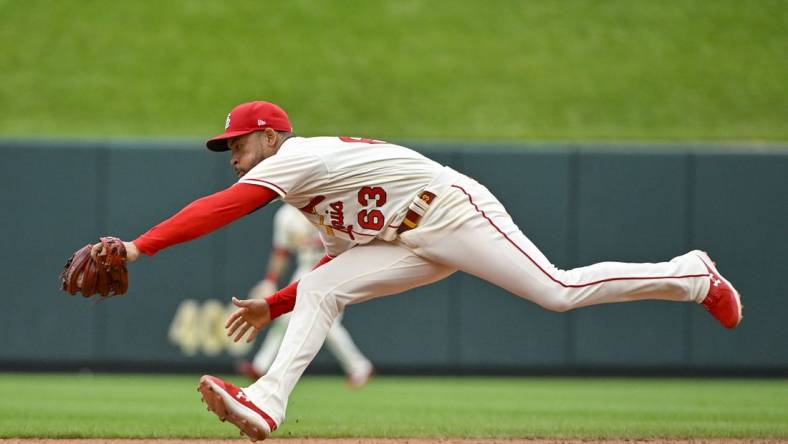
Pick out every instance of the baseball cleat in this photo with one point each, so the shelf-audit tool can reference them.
(722, 300)
(230, 403)
(246, 368)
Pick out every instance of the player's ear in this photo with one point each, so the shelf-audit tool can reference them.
(271, 136)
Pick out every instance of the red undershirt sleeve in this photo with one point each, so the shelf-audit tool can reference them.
(283, 301)
(205, 215)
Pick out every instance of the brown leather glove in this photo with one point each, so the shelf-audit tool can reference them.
(104, 274)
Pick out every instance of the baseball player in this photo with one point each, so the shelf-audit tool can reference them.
(391, 219)
(293, 234)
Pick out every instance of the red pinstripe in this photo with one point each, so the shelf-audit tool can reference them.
(628, 278)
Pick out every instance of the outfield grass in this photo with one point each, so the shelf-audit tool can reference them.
(81, 406)
(413, 69)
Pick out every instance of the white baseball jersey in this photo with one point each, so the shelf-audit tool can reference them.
(293, 232)
(353, 190)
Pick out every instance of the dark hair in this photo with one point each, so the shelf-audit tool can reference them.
(285, 134)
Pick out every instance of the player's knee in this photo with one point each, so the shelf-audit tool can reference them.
(314, 293)
(553, 298)
(311, 288)
(557, 304)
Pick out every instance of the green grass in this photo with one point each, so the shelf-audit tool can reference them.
(411, 69)
(82, 406)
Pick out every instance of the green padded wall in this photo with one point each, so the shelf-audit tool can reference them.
(579, 204)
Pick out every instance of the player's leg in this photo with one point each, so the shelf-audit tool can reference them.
(356, 366)
(488, 244)
(273, 339)
(339, 342)
(364, 272)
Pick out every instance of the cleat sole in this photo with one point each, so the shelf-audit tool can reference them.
(215, 404)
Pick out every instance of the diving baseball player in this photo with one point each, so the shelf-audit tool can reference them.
(293, 234)
(391, 219)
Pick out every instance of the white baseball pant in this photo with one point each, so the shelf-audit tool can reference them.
(467, 229)
(338, 341)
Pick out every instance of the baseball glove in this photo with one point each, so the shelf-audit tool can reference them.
(103, 274)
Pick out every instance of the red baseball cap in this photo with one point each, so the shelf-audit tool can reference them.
(247, 118)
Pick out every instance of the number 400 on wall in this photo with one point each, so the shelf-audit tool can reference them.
(198, 326)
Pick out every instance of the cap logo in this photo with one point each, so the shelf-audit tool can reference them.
(260, 122)
(227, 122)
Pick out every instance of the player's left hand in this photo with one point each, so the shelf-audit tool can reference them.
(252, 314)
(97, 269)
(132, 252)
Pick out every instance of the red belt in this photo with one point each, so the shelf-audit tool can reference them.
(413, 218)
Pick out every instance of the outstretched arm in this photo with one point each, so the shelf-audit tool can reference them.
(200, 217)
(204, 216)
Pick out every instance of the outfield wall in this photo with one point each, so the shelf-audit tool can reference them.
(579, 204)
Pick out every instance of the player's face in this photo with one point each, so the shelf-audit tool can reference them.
(249, 150)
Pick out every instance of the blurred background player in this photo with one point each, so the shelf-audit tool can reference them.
(295, 235)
